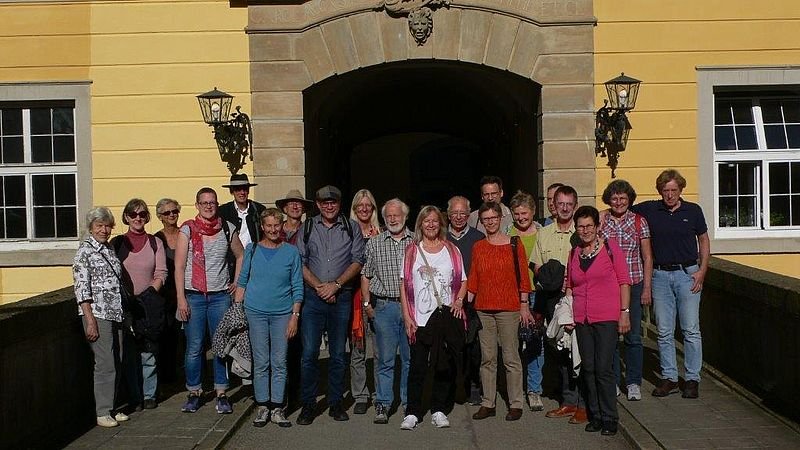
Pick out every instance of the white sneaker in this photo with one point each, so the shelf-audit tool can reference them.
(409, 422)
(618, 391)
(634, 392)
(439, 420)
(121, 417)
(106, 422)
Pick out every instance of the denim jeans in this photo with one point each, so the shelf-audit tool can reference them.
(390, 334)
(205, 313)
(268, 341)
(316, 317)
(534, 359)
(633, 342)
(149, 375)
(672, 296)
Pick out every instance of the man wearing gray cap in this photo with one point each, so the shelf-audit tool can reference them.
(332, 261)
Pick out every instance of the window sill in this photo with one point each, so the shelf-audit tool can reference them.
(751, 243)
(37, 254)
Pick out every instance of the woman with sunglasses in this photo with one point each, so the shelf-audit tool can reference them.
(168, 211)
(144, 268)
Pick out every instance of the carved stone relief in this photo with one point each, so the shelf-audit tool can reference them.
(419, 12)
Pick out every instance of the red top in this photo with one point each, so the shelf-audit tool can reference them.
(491, 276)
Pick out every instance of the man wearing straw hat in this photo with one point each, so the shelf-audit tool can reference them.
(294, 205)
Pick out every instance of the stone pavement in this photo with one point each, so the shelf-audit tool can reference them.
(720, 418)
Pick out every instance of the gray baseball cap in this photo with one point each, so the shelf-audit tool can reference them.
(329, 193)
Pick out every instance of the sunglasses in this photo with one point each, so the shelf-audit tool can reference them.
(172, 212)
(140, 214)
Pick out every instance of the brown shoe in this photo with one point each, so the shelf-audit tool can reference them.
(484, 412)
(514, 414)
(689, 389)
(664, 388)
(564, 411)
(579, 416)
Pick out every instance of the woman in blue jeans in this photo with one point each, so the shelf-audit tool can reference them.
(203, 285)
(271, 285)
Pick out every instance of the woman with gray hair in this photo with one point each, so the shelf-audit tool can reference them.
(96, 272)
(168, 211)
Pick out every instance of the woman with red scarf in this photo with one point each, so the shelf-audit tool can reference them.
(204, 285)
(144, 268)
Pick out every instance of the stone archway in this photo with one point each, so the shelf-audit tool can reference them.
(293, 47)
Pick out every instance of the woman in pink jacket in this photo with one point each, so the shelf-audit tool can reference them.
(599, 282)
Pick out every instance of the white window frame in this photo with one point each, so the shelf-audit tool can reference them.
(763, 157)
(52, 251)
(756, 81)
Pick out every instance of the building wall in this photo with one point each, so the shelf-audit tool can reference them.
(663, 44)
(146, 60)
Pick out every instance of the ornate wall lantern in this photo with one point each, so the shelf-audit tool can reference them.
(233, 136)
(611, 125)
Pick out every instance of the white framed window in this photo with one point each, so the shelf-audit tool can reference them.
(756, 162)
(38, 171)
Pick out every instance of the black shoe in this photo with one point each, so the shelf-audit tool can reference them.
(609, 428)
(360, 408)
(594, 426)
(665, 388)
(338, 413)
(690, 389)
(150, 403)
(307, 415)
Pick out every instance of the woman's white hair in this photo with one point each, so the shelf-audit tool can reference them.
(99, 214)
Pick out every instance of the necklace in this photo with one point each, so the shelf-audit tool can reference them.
(594, 251)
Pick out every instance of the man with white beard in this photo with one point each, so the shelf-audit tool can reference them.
(380, 290)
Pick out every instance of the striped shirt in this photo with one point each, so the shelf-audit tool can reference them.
(384, 256)
(629, 237)
(216, 252)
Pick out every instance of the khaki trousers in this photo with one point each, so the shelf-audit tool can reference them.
(502, 326)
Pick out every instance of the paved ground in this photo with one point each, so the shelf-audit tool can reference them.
(720, 418)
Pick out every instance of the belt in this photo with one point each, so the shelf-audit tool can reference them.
(388, 299)
(192, 291)
(675, 266)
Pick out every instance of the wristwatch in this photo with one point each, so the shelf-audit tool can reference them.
(365, 304)
(338, 285)
(296, 314)
(627, 310)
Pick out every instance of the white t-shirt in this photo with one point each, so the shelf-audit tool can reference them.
(244, 232)
(424, 299)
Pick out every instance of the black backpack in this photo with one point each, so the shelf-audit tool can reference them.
(308, 226)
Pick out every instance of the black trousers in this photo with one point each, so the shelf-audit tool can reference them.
(597, 343)
(444, 372)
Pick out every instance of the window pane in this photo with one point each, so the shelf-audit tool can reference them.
(44, 222)
(747, 178)
(779, 210)
(795, 180)
(16, 223)
(791, 111)
(723, 138)
(63, 122)
(65, 189)
(42, 190)
(2, 223)
(12, 121)
(41, 149)
(776, 137)
(727, 179)
(747, 211)
(727, 212)
(67, 222)
(722, 112)
(742, 112)
(13, 151)
(796, 210)
(771, 111)
(746, 138)
(15, 190)
(40, 121)
(63, 149)
(793, 132)
(779, 178)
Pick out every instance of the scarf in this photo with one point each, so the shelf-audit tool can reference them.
(136, 240)
(199, 227)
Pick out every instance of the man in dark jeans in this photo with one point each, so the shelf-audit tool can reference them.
(332, 261)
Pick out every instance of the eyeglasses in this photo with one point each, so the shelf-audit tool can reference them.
(490, 218)
(171, 212)
(140, 214)
(585, 227)
(207, 204)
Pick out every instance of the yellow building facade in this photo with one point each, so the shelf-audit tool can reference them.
(129, 71)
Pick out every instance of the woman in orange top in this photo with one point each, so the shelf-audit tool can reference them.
(501, 299)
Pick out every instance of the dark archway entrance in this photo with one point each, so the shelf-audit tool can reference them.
(422, 131)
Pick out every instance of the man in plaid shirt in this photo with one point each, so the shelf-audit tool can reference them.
(380, 290)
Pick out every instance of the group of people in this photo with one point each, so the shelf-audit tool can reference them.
(440, 297)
